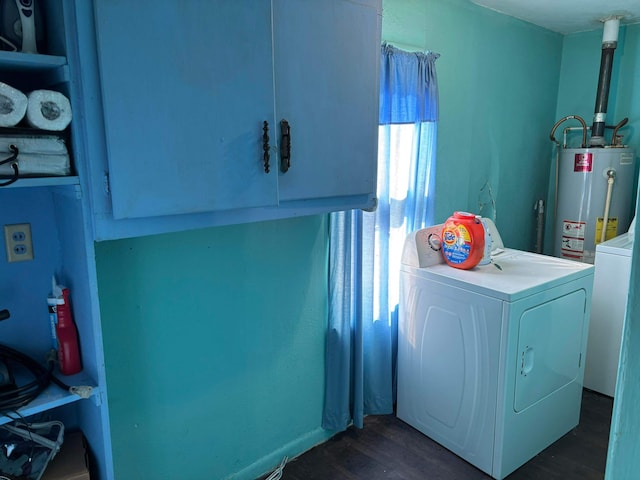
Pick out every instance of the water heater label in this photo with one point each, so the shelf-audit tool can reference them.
(583, 162)
(573, 244)
(573, 239)
(612, 229)
(626, 158)
(573, 229)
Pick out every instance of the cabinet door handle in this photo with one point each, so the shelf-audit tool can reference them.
(285, 146)
(14, 164)
(265, 146)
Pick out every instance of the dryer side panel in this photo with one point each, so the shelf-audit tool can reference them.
(448, 355)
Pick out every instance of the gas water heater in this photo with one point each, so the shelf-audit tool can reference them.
(594, 182)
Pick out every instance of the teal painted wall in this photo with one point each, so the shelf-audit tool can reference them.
(214, 348)
(579, 79)
(498, 81)
(214, 339)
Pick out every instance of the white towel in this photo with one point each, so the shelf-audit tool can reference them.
(41, 156)
(48, 110)
(13, 105)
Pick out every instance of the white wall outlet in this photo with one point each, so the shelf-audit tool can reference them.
(17, 239)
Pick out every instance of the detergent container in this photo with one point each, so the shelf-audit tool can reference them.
(463, 240)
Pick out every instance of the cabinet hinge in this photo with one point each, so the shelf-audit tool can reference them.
(107, 187)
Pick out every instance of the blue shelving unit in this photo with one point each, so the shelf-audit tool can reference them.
(58, 213)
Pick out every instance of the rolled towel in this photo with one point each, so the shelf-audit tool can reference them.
(48, 110)
(13, 105)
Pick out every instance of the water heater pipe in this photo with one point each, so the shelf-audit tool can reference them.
(552, 135)
(614, 138)
(539, 207)
(611, 175)
(609, 44)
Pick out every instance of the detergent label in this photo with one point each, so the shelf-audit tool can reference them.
(583, 162)
(456, 244)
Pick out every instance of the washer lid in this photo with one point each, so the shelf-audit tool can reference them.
(513, 274)
(621, 245)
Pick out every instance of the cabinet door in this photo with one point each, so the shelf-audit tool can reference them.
(186, 87)
(326, 70)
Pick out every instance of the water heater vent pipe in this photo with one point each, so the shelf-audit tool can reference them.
(609, 44)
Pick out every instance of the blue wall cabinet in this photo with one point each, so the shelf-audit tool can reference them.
(56, 209)
(186, 88)
(183, 90)
(326, 59)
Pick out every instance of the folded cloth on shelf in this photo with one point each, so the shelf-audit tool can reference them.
(13, 105)
(48, 110)
(38, 156)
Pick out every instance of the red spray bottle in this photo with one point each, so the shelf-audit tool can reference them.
(67, 334)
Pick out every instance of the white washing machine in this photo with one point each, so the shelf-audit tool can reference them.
(608, 308)
(491, 360)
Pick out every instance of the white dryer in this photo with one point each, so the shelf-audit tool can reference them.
(491, 360)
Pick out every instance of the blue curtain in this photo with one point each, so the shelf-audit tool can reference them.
(365, 247)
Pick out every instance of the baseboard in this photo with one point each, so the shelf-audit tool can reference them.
(292, 449)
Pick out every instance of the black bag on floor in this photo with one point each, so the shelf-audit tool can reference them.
(27, 448)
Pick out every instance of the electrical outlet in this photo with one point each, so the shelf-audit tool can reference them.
(17, 239)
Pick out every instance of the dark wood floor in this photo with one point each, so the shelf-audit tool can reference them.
(386, 448)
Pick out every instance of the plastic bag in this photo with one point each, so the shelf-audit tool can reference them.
(27, 448)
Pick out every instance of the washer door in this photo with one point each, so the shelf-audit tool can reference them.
(549, 348)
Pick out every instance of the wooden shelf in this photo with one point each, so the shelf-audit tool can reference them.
(44, 182)
(19, 61)
(54, 396)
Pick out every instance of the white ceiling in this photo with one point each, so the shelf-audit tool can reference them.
(566, 16)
